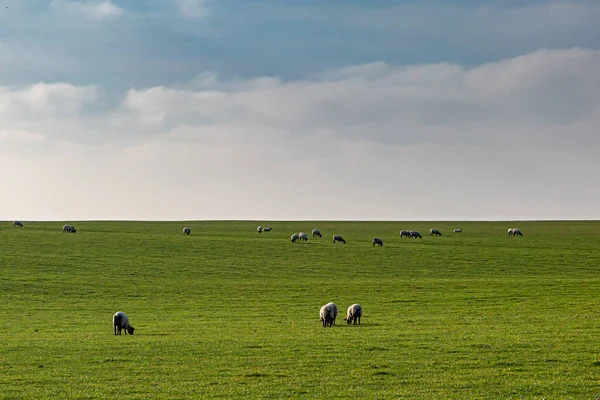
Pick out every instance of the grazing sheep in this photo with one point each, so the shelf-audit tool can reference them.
(18, 223)
(187, 231)
(328, 314)
(259, 229)
(267, 229)
(302, 236)
(294, 238)
(404, 233)
(353, 314)
(69, 229)
(316, 233)
(120, 322)
(338, 238)
(377, 241)
(510, 231)
(415, 234)
(435, 232)
(517, 232)
(458, 230)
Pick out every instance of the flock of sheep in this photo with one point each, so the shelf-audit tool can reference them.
(328, 312)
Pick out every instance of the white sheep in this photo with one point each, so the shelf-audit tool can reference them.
(353, 314)
(328, 314)
(18, 223)
(259, 229)
(510, 231)
(303, 236)
(377, 241)
(120, 322)
(458, 230)
(294, 238)
(69, 229)
(187, 231)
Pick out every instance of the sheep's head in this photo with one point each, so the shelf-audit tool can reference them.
(130, 330)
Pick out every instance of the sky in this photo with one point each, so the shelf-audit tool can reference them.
(299, 110)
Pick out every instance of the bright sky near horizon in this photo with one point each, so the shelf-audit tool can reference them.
(270, 110)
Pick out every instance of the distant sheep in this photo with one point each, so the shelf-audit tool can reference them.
(510, 231)
(378, 242)
(404, 233)
(302, 236)
(18, 223)
(294, 238)
(434, 232)
(339, 239)
(259, 229)
(187, 231)
(353, 314)
(120, 322)
(316, 233)
(267, 229)
(458, 230)
(328, 314)
(69, 229)
(517, 232)
(415, 234)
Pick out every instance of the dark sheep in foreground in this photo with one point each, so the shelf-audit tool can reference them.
(415, 234)
(294, 238)
(404, 233)
(302, 236)
(339, 239)
(18, 223)
(353, 314)
(328, 314)
(377, 241)
(435, 232)
(316, 233)
(120, 322)
(187, 231)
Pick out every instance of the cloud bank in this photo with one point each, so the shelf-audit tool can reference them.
(514, 139)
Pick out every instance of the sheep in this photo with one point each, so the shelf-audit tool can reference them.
(316, 233)
(415, 234)
(404, 233)
(18, 223)
(328, 314)
(353, 314)
(121, 321)
(187, 231)
(517, 232)
(458, 230)
(259, 229)
(434, 232)
(69, 229)
(302, 236)
(338, 238)
(267, 229)
(510, 231)
(294, 238)
(377, 241)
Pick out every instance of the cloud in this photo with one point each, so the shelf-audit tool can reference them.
(193, 8)
(95, 10)
(377, 141)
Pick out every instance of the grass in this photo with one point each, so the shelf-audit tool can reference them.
(228, 312)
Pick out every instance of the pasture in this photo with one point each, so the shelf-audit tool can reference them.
(228, 312)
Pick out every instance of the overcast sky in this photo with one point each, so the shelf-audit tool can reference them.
(269, 109)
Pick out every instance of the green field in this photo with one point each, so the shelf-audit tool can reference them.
(228, 312)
